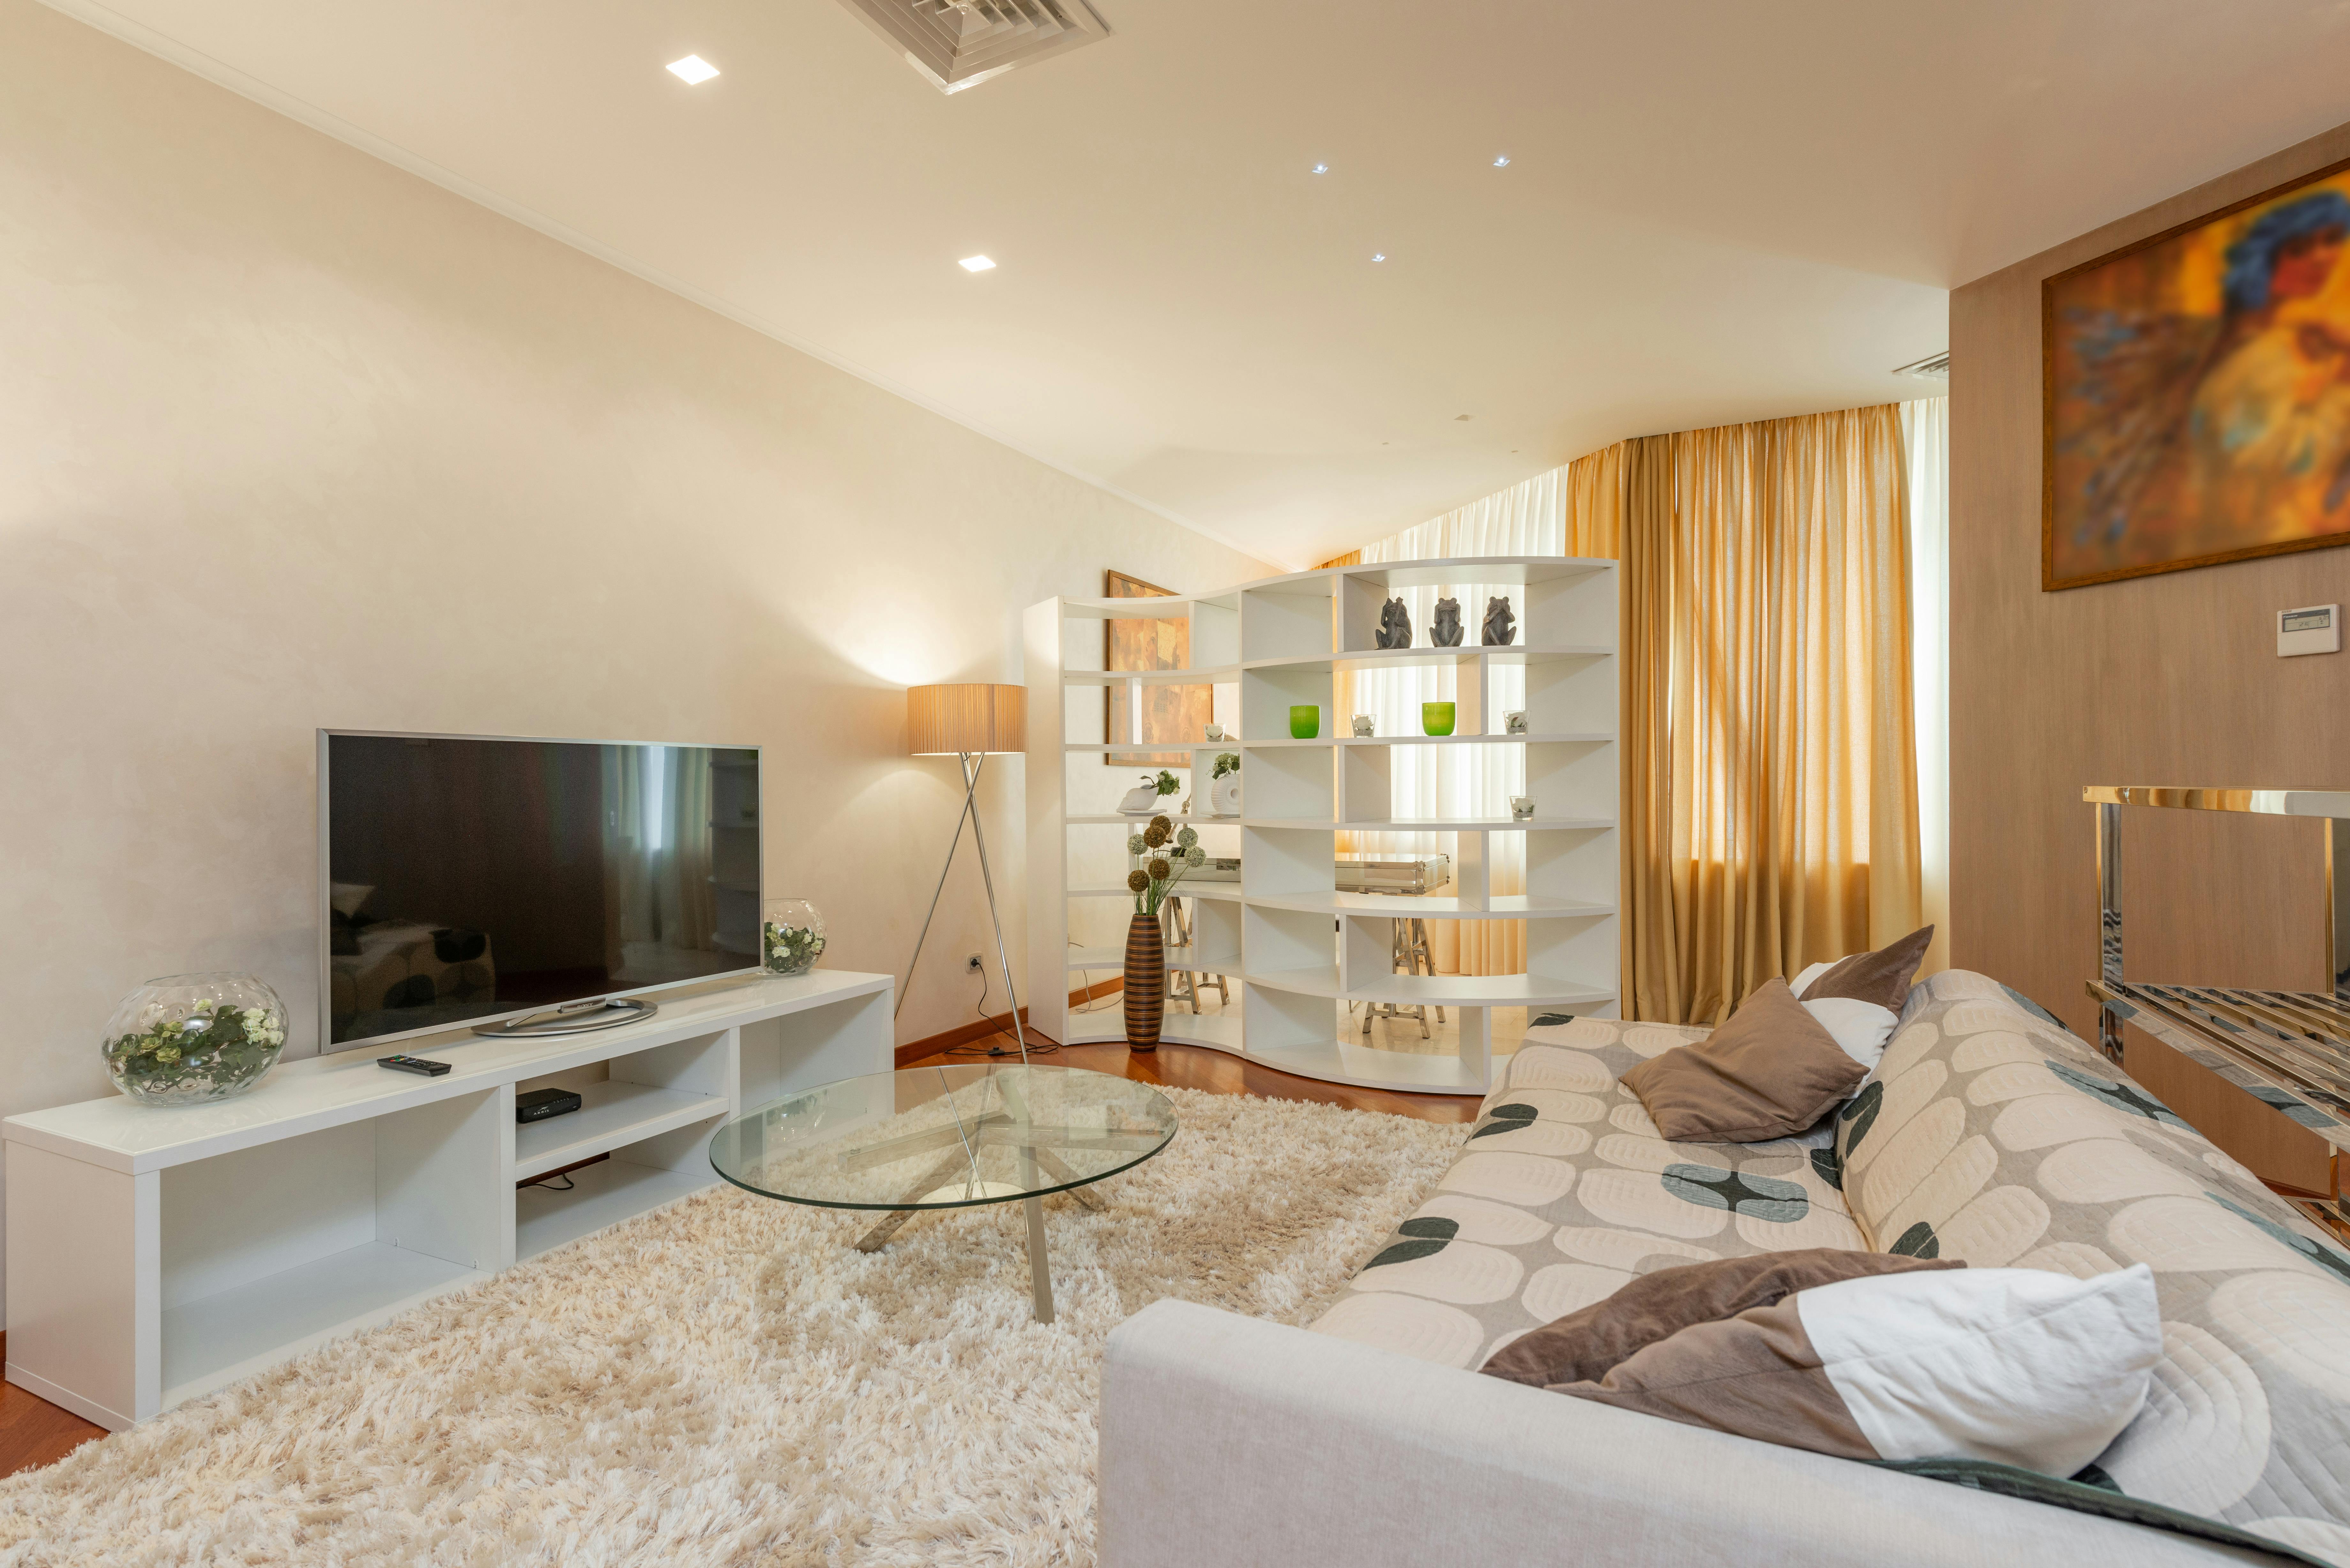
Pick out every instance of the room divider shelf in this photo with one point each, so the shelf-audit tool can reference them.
(1437, 990)
(1291, 946)
(1191, 891)
(1382, 657)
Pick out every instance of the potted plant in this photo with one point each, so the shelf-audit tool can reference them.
(1166, 856)
(1145, 795)
(1224, 786)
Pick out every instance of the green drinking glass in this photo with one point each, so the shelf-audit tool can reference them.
(1436, 718)
(1305, 723)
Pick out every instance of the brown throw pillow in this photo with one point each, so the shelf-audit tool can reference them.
(1584, 1346)
(1882, 977)
(1773, 1070)
(1893, 1360)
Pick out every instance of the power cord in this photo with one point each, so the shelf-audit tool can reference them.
(979, 1009)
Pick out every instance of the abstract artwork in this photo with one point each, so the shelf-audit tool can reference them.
(2196, 392)
(1171, 716)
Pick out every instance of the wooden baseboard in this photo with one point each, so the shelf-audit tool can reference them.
(913, 1051)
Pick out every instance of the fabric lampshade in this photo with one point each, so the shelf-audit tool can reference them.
(941, 721)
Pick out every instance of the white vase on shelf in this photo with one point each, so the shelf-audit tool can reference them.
(1224, 795)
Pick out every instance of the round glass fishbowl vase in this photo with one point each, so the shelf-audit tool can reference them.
(791, 936)
(187, 1039)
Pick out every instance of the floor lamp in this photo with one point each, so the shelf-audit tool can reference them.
(969, 722)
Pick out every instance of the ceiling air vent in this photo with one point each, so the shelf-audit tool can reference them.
(958, 43)
(1936, 368)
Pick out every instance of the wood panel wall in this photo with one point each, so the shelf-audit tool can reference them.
(2168, 679)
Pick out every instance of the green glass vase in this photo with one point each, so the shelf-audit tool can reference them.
(1305, 722)
(1436, 718)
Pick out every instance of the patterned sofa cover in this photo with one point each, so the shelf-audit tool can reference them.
(1988, 1133)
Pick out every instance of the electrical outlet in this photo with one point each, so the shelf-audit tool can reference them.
(971, 964)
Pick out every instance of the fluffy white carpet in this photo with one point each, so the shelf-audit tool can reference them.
(728, 1382)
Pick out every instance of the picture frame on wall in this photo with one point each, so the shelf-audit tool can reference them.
(1170, 715)
(2195, 396)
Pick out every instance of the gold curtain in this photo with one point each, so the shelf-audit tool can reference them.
(1770, 807)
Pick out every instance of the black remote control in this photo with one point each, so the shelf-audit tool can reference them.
(413, 1064)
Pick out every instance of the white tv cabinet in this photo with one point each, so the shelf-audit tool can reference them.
(156, 1254)
(1293, 946)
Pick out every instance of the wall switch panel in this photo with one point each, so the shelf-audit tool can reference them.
(2314, 628)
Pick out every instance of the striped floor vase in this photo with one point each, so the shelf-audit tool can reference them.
(1146, 982)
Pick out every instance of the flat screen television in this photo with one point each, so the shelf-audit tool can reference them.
(468, 879)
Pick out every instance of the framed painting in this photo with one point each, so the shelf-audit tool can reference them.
(1171, 714)
(2195, 394)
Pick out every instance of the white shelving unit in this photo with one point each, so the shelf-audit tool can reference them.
(1293, 946)
(157, 1254)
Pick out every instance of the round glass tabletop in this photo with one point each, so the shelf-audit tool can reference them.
(944, 1138)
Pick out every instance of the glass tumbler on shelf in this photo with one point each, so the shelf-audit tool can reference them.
(791, 936)
(186, 1038)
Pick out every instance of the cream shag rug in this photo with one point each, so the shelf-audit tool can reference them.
(727, 1381)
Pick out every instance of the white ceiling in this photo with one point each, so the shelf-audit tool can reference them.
(1715, 212)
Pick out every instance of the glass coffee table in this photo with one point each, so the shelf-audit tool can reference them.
(947, 1137)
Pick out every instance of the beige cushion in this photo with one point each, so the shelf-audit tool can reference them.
(1773, 1070)
(1882, 977)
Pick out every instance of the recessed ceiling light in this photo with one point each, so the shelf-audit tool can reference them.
(1380, 256)
(693, 70)
(1458, 418)
(1502, 161)
(976, 264)
(1321, 168)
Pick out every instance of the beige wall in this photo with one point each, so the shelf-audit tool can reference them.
(290, 437)
(2171, 679)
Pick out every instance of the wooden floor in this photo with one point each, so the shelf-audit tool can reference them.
(33, 1432)
(1197, 1067)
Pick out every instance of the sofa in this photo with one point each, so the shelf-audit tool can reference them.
(1987, 1133)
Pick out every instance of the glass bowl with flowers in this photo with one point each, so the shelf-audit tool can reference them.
(187, 1039)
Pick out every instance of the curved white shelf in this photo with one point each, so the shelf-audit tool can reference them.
(1438, 989)
(1185, 889)
(1294, 639)
(1432, 907)
(1377, 657)
(1120, 819)
(1429, 823)
(1575, 736)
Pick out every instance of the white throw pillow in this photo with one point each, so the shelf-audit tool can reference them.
(1802, 982)
(2022, 1366)
(1862, 1028)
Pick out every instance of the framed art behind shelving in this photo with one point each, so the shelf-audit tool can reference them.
(1171, 716)
(2195, 396)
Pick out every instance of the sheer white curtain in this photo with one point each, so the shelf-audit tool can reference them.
(1926, 444)
(1527, 519)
